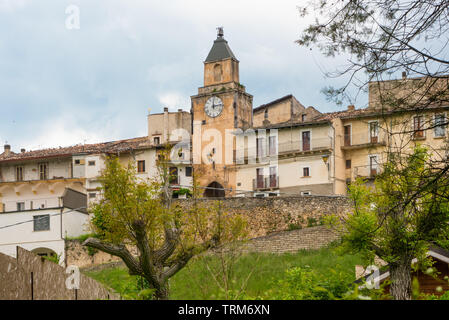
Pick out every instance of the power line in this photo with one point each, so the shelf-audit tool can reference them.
(236, 190)
(37, 219)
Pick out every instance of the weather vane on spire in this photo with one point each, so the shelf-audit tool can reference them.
(220, 32)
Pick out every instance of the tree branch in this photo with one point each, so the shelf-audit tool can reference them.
(118, 251)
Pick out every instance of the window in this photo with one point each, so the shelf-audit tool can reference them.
(31, 205)
(348, 183)
(374, 132)
(260, 181)
(306, 193)
(273, 177)
(347, 132)
(92, 195)
(348, 164)
(373, 165)
(440, 125)
(306, 172)
(19, 173)
(218, 73)
(189, 171)
(91, 163)
(260, 148)
(43, 171)
(157, 140)
(272, 145)
(173, 175)
(418, 126)
(77, 161)
(20, 206)
(141, 166)
(306, 141)
(303, 118)
(266, 114)
(41, 223)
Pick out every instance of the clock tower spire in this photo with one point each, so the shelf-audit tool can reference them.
(221, 65)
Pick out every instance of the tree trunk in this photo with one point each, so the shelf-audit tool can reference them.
(162, 293)
(401, 280)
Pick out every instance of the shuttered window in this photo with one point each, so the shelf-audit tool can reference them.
(41, 223)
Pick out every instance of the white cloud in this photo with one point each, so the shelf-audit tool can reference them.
(174, 101)
(12, 5)
(63, 132)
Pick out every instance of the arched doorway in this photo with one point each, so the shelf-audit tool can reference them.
(44, 252)
(214, 190)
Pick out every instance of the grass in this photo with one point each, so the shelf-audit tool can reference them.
(195, 282)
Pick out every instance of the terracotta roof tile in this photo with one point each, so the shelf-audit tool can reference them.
(104, 147)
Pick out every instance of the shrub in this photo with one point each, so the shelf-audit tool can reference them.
(303, 283)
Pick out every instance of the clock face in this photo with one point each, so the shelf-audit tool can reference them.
(213, 107)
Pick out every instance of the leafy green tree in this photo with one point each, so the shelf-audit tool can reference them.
(397, 220)
(136, 213)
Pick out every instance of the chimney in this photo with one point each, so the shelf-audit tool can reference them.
(7, 149)
(166, 124)
(404, 75)
(351, 107)
(22, 150)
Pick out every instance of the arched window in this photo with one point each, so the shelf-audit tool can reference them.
(218, 73)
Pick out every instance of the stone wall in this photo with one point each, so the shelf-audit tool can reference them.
(292, 241)
(269, 220)
(30, 277)
(81, 256)
(275, 214)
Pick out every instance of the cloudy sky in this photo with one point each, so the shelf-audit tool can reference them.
(61, 86)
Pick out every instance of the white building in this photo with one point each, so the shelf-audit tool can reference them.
(43, 230)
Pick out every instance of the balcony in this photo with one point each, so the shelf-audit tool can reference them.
(285, 149)
(266, 183)
(367, 172)
(361, 140)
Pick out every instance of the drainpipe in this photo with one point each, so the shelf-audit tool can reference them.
(333, 155)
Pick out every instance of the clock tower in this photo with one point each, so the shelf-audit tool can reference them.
(220, 108)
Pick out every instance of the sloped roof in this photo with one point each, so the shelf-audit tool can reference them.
(293, 123)
(434, 251)
(264, 106)
(104, 147)
(220, 51)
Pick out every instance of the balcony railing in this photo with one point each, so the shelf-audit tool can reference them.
(266, 183)
(293, 146)
(368, 171)
(360, 140)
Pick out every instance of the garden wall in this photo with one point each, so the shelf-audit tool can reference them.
(275, 214)
(269, 219)
(30, 277)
